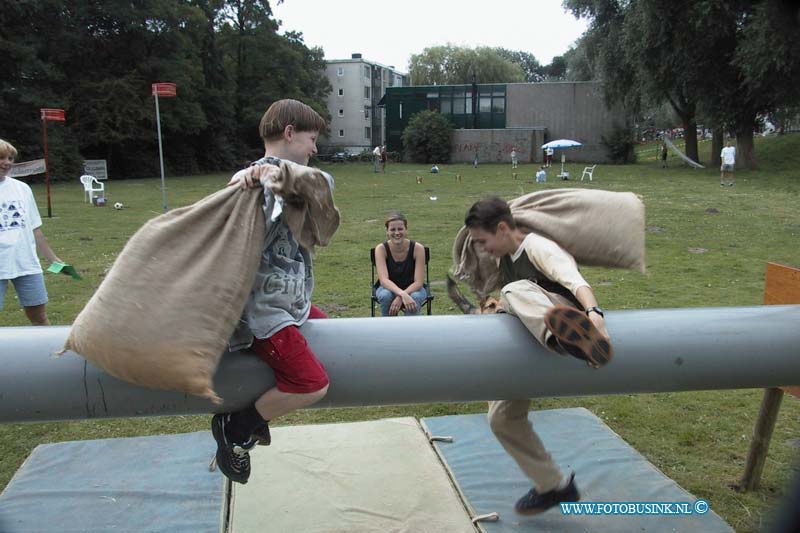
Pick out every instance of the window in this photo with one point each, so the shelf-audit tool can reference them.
(366, 71)
(367, 132)
(401, 110)
(341, 112)
(498, 105)
(341, 133)
(366, 91)
(446, 106)
(485, 104)
(340, 71)
(498, 101)
(366, 113)
(341, 92)
(458, 104)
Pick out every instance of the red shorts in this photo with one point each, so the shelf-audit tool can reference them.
(297, 370)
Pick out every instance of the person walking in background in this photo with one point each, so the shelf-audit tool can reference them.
(384, 158)
(664, 155)
(21, 237)
(376, 157)
(728, 156)
(548, 155)
(513, 158)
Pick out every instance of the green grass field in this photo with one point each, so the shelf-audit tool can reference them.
(706, 246)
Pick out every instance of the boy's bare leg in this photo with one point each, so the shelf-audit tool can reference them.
(37, 315)
(275, 403)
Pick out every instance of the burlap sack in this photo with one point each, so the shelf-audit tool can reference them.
(163, 314)
(599, 228)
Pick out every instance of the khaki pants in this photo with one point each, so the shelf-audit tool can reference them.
(509, 418)
(510, 425)
(529, 302)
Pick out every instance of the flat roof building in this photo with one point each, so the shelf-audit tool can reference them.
(493, 119)
(357, 122)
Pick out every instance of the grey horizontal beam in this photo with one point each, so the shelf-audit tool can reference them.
(383, 361)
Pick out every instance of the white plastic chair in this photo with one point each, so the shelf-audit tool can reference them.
(89, 188)
(588, 171)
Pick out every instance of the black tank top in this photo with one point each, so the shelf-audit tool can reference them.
(402, 273)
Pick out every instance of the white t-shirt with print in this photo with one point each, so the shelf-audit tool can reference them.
(19, 216)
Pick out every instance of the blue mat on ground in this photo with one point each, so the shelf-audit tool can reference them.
(607, 470)
(159, 483)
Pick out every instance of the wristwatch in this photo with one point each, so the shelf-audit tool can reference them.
(597, 310)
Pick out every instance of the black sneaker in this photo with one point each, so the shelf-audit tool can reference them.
(534, 503)
(233, 458)
(261, 434)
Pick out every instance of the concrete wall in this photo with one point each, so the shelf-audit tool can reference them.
(567, 110)
(495, 145)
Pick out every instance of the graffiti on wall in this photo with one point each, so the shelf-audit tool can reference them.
(492, 151)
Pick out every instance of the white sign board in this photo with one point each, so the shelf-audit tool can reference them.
(96, 168)
(28, 168)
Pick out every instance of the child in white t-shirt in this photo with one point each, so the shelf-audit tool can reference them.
(728, 156)
(20, 237)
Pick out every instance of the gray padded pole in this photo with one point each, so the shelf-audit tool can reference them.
(382, 361)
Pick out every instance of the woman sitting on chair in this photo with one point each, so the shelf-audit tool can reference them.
(401, 270)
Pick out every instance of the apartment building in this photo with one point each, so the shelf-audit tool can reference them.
(354, 104)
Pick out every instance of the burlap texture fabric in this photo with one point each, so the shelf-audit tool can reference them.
(310, 211)
(163, 315)
(599, 228)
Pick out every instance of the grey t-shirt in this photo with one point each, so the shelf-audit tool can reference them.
(281, 294)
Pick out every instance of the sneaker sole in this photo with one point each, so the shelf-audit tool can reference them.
(578, 335)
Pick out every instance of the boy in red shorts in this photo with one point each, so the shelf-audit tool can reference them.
(280, 301)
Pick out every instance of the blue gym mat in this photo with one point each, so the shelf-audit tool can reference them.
(162, 483)
(607, 470)
(134, 484)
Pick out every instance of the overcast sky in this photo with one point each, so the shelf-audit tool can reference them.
(389, 32)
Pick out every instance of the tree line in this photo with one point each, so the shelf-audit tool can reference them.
(722, 62)
(725, 62)
(97, 60)
(454, 65)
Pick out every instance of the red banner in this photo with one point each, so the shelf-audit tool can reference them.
(164, 89)
(53, 114)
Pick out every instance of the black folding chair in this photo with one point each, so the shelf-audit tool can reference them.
(376, 284)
